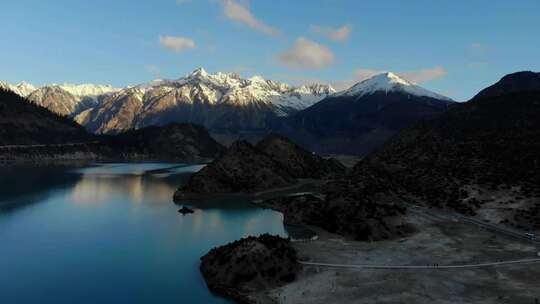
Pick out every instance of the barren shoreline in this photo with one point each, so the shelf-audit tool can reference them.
(436, 242)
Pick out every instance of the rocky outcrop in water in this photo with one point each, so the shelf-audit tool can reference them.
(252, 264)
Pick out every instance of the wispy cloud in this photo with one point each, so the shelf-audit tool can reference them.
(305, 54)
(242, 15)
(340, 85)
(477, 65)
(177, 44)
(363, 74)
(154, 70)
(424, 75)
(336, 34)
(417, 76)
(477, 47)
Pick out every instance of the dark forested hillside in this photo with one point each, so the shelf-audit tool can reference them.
(22, 122)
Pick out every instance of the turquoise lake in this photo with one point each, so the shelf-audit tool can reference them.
(110, 233)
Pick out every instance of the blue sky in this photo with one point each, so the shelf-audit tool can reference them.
(452, 47)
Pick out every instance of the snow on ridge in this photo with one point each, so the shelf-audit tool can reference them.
(87, 89)
(388, 82)
(23, 88)
(217, 88)
(79, 91)
(233, 89)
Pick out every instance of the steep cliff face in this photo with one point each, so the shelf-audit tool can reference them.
(116, 112)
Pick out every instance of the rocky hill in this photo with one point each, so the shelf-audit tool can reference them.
(360, 208)
(275, 162)
(297, 161)
(252, 264)
(479, 158)
(242, 168)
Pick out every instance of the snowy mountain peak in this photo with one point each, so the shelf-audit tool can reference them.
(257, 78)
(23, 88)
(200, 72)
(388, 82)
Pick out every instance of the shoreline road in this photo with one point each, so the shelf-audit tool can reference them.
(442, 215)
(367, 266)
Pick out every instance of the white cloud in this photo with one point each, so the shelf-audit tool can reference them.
(177, 44)
(242, 15)
(305, 54)
(336, 34)
(424, 75)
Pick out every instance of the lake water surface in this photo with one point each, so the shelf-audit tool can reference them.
(111, 234)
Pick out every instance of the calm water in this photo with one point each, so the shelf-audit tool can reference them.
(111, 234)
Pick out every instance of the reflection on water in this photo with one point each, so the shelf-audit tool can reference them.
(94, 189)
(111, 234)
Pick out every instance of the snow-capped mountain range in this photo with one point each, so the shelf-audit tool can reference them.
(66, 99)
(231, 88)
(222, 102)
(198, 97)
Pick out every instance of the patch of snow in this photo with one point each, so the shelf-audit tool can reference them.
(87, 90)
